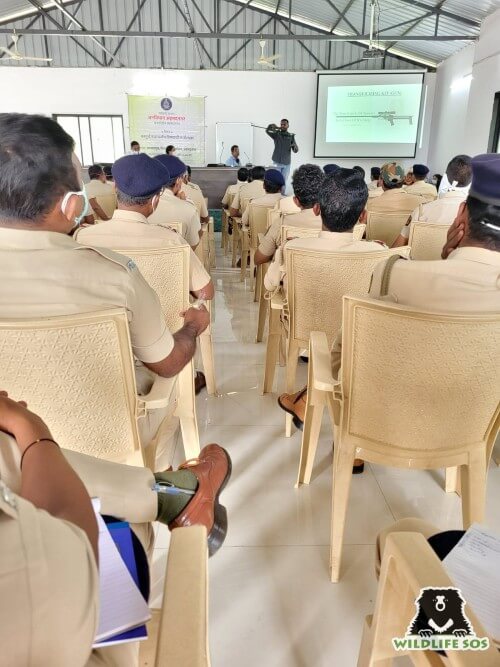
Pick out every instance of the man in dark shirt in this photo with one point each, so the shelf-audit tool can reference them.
(284, 143)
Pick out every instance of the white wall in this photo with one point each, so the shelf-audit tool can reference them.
(259, 97)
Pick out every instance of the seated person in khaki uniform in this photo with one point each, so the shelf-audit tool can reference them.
(467, 282)
(254, 188)
(49, 588)
(273, 182)
(194, 193)
(341, 199)
(44, 272)
(99, 189)
(443, 210)
(419, 186)
(173, 208)
(231, 190)
(306, 181)
(394, 199)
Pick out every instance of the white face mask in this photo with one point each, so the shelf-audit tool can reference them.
(86, 205)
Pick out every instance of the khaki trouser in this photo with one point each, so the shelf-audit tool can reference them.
(125, 492)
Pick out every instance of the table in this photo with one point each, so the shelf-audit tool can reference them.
(214, 181)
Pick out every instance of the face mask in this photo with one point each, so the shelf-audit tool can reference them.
(86, 205)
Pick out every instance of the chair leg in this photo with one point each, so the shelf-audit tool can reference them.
(473, 478)
(207, 357)
(235, 244)
(291, 372)
(263, 308)
(211, 247)
(342, 475)
(253, 282)
(312, 427)
(452, 480)
(366, 651)
(186, 411)
(272, 348)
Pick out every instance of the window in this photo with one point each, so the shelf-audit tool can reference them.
(494, 140)
(98, 139)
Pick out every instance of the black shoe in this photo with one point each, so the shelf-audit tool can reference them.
(199, 382)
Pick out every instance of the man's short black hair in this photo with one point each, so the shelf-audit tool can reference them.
(243, 174)
(95, 171)
(129, 200)
(134, 143)
(342, 198)
(360, 170)
(375, 173)
(35, 166)
(272, 188)
(233, 147)
(169, 148)
(306, 182)
(257, 173)
(108, 171)
(484, 223)
(285, 120)
(459, 169)
(188, 169)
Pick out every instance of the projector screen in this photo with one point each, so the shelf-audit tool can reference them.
(368, 115)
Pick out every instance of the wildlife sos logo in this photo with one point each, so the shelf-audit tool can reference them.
(440, 624)
(166, 104)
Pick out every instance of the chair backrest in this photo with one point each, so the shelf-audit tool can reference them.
(438, 374)
(77, 372)
(107, 203)
(289, 232)
(384, 226)
(427, 240)
(167, 272)
(317, 281)
(244, 201)
(257, 221)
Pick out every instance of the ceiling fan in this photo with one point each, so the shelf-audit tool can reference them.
(267, 61)
(14, 54)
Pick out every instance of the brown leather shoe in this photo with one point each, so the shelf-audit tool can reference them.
(199, 382)
(212, 470)
(295, 405)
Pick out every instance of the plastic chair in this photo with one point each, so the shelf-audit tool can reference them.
(183, 630)
(409, 564)
(78, 372)
(257, 224)
(317, 281)
(167, 271)
(384, 226)
(439, 409)
(427, 240)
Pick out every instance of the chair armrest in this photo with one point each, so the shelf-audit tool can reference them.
(183, 630)
(319, 355)
(159, 395)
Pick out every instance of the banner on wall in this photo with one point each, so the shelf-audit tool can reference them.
(156, 122)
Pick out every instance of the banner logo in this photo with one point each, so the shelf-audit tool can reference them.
(440, 624)
(166, 104)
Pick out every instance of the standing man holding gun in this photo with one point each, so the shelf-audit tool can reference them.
(284, 143)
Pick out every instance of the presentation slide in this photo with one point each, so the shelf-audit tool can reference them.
(368, 115)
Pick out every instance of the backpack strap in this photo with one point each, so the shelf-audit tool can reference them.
(386, 276)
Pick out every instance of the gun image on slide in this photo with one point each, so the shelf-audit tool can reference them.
(389, 116)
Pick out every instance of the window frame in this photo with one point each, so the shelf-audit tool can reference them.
(494, 138)
(88, 116)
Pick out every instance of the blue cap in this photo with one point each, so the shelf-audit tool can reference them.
(274, 176)
(486, 178)
(175, 166)
(330, 168)
(420, 170)
(139, 175)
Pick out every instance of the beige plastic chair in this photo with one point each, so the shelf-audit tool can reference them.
(108, 204)
(183, 630)
(78, 372)
(427, 240)
(225, 225)
(409, 565)
(439, 410)
(167, 271)
(384, 226)
(257, 224)
(177, 227)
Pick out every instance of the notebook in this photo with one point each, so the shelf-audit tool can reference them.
(474, 567)
(122, 607)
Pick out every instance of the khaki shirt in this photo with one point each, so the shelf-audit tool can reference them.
(45, 274)
(49, 586)
(375, 192)
(423, 189)
(104, 193)
(443, 211)
(373, 185)
(393, 201)
(194, 193)
(267, 201)
(287, 205)
(128, 230)
(172, 209)
(467, 282)
(231, 190)
(325, 242)
(248, 191)
(272, 238)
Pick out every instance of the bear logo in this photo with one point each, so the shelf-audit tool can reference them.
(440, 611)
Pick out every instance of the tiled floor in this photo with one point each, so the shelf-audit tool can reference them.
(271, 602)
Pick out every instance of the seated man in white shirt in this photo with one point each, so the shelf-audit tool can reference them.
(231, 190)
(443, 210)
